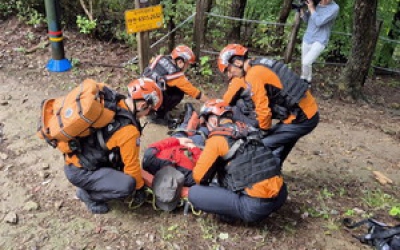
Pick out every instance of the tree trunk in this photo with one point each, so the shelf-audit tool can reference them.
(198, 33)
(238, 7)
(208, 9)
(293, 38)
(171, 26)
(363, 45)
(280, 30)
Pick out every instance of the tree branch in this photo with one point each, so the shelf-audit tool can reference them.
(89, 14)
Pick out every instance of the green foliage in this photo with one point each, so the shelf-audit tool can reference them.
(315, 212)
(167, 233)
(7, 8)
(110, 25)
(30, 36)
(350, 212)
(208, 228)
(178, 13)
(75, 62)
(29, 14)
(395, 211)
(85, 25)
(133, 68)
(378, 199)
(205, 66)
(129, 39)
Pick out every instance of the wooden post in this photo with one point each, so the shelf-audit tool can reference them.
(143, 40)
(199, 23)
(292, 39)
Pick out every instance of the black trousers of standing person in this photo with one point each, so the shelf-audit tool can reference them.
(223, 202)
(172, 96)
(285, 136)
(103, 184)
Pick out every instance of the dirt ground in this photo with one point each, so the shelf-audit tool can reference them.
(329, 173)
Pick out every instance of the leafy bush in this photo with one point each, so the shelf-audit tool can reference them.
(85, 25)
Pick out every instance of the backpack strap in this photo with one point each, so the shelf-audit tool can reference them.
(232, 151)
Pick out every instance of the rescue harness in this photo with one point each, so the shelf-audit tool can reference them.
(248, 161)
(161, 70)
(284, 101)
(92, 151)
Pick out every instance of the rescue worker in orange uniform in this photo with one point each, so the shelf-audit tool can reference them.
(250, 184)
(169, 73)
(109, 168)
(272, 91)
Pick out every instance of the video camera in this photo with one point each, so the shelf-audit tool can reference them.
(301, 3)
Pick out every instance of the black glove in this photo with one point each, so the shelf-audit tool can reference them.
(140, 196)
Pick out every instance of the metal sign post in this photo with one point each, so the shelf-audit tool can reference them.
(58, 63)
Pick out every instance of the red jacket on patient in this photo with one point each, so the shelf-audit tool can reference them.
(169, 152)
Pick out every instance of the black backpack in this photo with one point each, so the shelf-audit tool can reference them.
(380, 236)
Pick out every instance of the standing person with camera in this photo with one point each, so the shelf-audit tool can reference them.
(320, 18)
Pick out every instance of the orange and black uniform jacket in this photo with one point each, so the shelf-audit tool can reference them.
(187, 87)
(256, 78)
(127, 140)
(207, 165)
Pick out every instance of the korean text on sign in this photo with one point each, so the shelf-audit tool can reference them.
(143, 19)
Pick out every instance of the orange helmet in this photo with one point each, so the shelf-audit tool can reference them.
(227, 53)
(146, 89)
(215, 107)
(185, 53)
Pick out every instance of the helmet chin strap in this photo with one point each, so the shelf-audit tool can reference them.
(136, 109)
(212, 126)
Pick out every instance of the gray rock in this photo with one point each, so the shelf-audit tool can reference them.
(11, 218)
(31, 206)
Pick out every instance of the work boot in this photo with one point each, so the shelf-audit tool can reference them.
(93, 206)
(172, 122)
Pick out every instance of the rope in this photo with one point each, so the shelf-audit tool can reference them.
(245, 20)
(188, 204)
(380, 37)
(172, 31)
(149, 193)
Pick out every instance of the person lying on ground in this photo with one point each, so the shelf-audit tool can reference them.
(181, 150)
